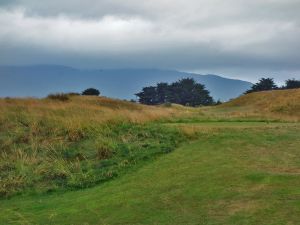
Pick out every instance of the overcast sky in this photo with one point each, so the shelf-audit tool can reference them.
(236, 38)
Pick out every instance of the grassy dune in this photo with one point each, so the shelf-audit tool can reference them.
(279, 105)
(237, 163)
(49, 145)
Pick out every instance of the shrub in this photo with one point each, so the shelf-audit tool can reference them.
(73, 94)
(292, 83)
(264, 84)
(59, 96)
(91, 91)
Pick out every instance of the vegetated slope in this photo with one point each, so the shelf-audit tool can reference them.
(50, 144)
(277, 104)
(245, 175)
(38, 81)
(232, 172)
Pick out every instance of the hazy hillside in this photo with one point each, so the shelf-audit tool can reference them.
(118, 83)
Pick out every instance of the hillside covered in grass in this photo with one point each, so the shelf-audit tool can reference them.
(280, 105)
(95, 160)
(51, 144)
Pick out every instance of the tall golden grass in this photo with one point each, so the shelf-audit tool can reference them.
(40, 138)
(281, 105)
(82, 110)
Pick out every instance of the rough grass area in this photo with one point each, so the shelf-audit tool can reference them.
(230, 175)
(103, 153)
(94, 160)
(49, 145)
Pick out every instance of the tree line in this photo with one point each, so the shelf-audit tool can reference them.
(184, 92)
(266, 84)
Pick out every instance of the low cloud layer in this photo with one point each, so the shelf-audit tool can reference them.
(241, 38)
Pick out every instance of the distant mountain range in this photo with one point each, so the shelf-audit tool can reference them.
(40, 80)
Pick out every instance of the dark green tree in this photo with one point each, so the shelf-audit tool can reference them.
(162, 92)
(185, 92)
(264, 84)
(91, 91)
(148, 96)
(292, 83)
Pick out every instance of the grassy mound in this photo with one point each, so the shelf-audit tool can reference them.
(51, 144)
(241, 167)
(285, 101)
(281, 105)
(70, 142)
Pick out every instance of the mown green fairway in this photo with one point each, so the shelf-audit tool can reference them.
(232, 173)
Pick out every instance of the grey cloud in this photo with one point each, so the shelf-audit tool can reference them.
(7, 2)
(196, 35)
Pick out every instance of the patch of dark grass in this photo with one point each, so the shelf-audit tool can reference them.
(256, 177)
(59, 96)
